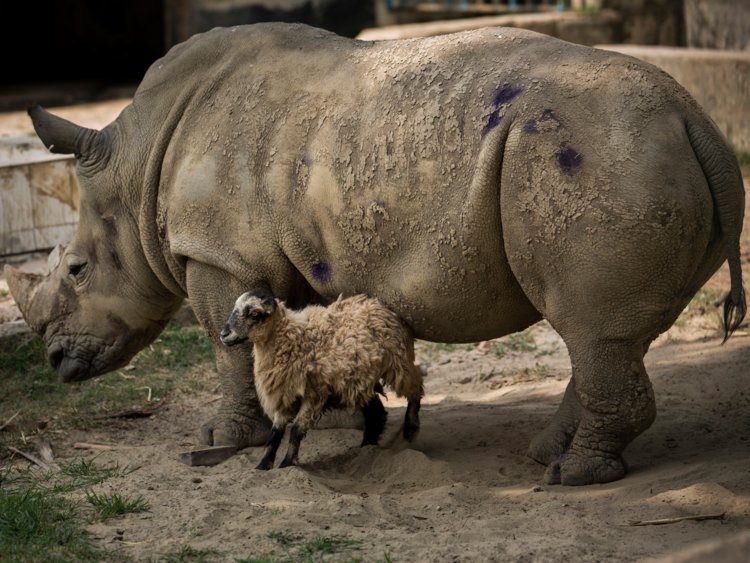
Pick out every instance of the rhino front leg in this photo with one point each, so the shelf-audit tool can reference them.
(616, 404)
(240, 420)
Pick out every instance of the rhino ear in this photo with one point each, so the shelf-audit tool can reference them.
(65, 137)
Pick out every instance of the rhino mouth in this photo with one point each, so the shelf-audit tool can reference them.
(81, 356)
(69, 369)
(76, 358)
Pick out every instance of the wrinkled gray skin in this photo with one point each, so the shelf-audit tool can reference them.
(475, 183)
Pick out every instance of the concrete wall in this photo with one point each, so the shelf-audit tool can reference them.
(718, 80)
(650, 22)
(38, 197)
(585, 29)
(718, 24)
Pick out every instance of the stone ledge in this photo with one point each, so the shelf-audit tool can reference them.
(14, 329)
(718, 80)
(576, 28)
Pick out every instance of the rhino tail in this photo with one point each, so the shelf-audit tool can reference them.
(724, 178)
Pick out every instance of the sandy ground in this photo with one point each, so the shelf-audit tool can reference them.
(464, 491)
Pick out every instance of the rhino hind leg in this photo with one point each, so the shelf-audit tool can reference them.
(552, 442)
(615, 402)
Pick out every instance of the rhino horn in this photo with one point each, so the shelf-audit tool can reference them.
(65, 137)
(23, 287)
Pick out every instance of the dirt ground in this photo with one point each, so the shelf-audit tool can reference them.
(464, 491)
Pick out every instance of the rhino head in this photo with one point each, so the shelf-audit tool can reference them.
(100, 303)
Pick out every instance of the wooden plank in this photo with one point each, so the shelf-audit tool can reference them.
(208, 456)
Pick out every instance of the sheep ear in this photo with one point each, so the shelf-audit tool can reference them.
(269, 303)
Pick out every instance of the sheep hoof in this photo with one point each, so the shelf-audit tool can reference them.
(410, 432)
(287, 463)
(264, 465)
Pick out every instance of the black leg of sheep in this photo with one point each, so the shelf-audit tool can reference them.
(277, 433)
(375, 419)
(411, 420)
(295, 438)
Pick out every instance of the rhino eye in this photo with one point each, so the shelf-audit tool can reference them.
(75, 269)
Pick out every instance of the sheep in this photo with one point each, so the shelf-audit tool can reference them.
(319, 357)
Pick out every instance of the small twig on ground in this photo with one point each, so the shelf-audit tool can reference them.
(661, 521)
(7, 422)
(45, 451)
(90, 446)
(33, 459)
(135, 413)
(148, 399)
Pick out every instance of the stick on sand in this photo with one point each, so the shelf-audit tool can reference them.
(661, 521)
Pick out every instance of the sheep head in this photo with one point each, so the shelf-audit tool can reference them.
(249, 317)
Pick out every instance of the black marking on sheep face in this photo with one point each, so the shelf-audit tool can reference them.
(250, 311)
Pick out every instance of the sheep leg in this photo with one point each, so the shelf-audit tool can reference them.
(308, 414)
(375, 417)
(411, 420)
(277, 433)
(295, 439)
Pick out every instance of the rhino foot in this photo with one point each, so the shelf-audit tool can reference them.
(548, 446)
(555, 439)
(236, 429)
(575, 470)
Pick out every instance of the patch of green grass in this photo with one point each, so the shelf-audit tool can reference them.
(314, 549)
(181, 358)
(706, 297)
(540, 370)
(518, 342)
(112, 505)
(36, 525)
(432, 350)
(72, 476)
(4, 293)
(39, 522)
(703, 303)
(317, 549)
(283, 538)
(177, 348)
(187, 553)
(486, 376)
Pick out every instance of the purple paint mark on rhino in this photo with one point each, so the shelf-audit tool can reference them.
(504, 96)
(321, 271)
(570, 160)
(530, 126)
(493, 121)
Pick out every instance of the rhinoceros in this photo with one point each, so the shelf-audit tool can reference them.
(475, 183)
